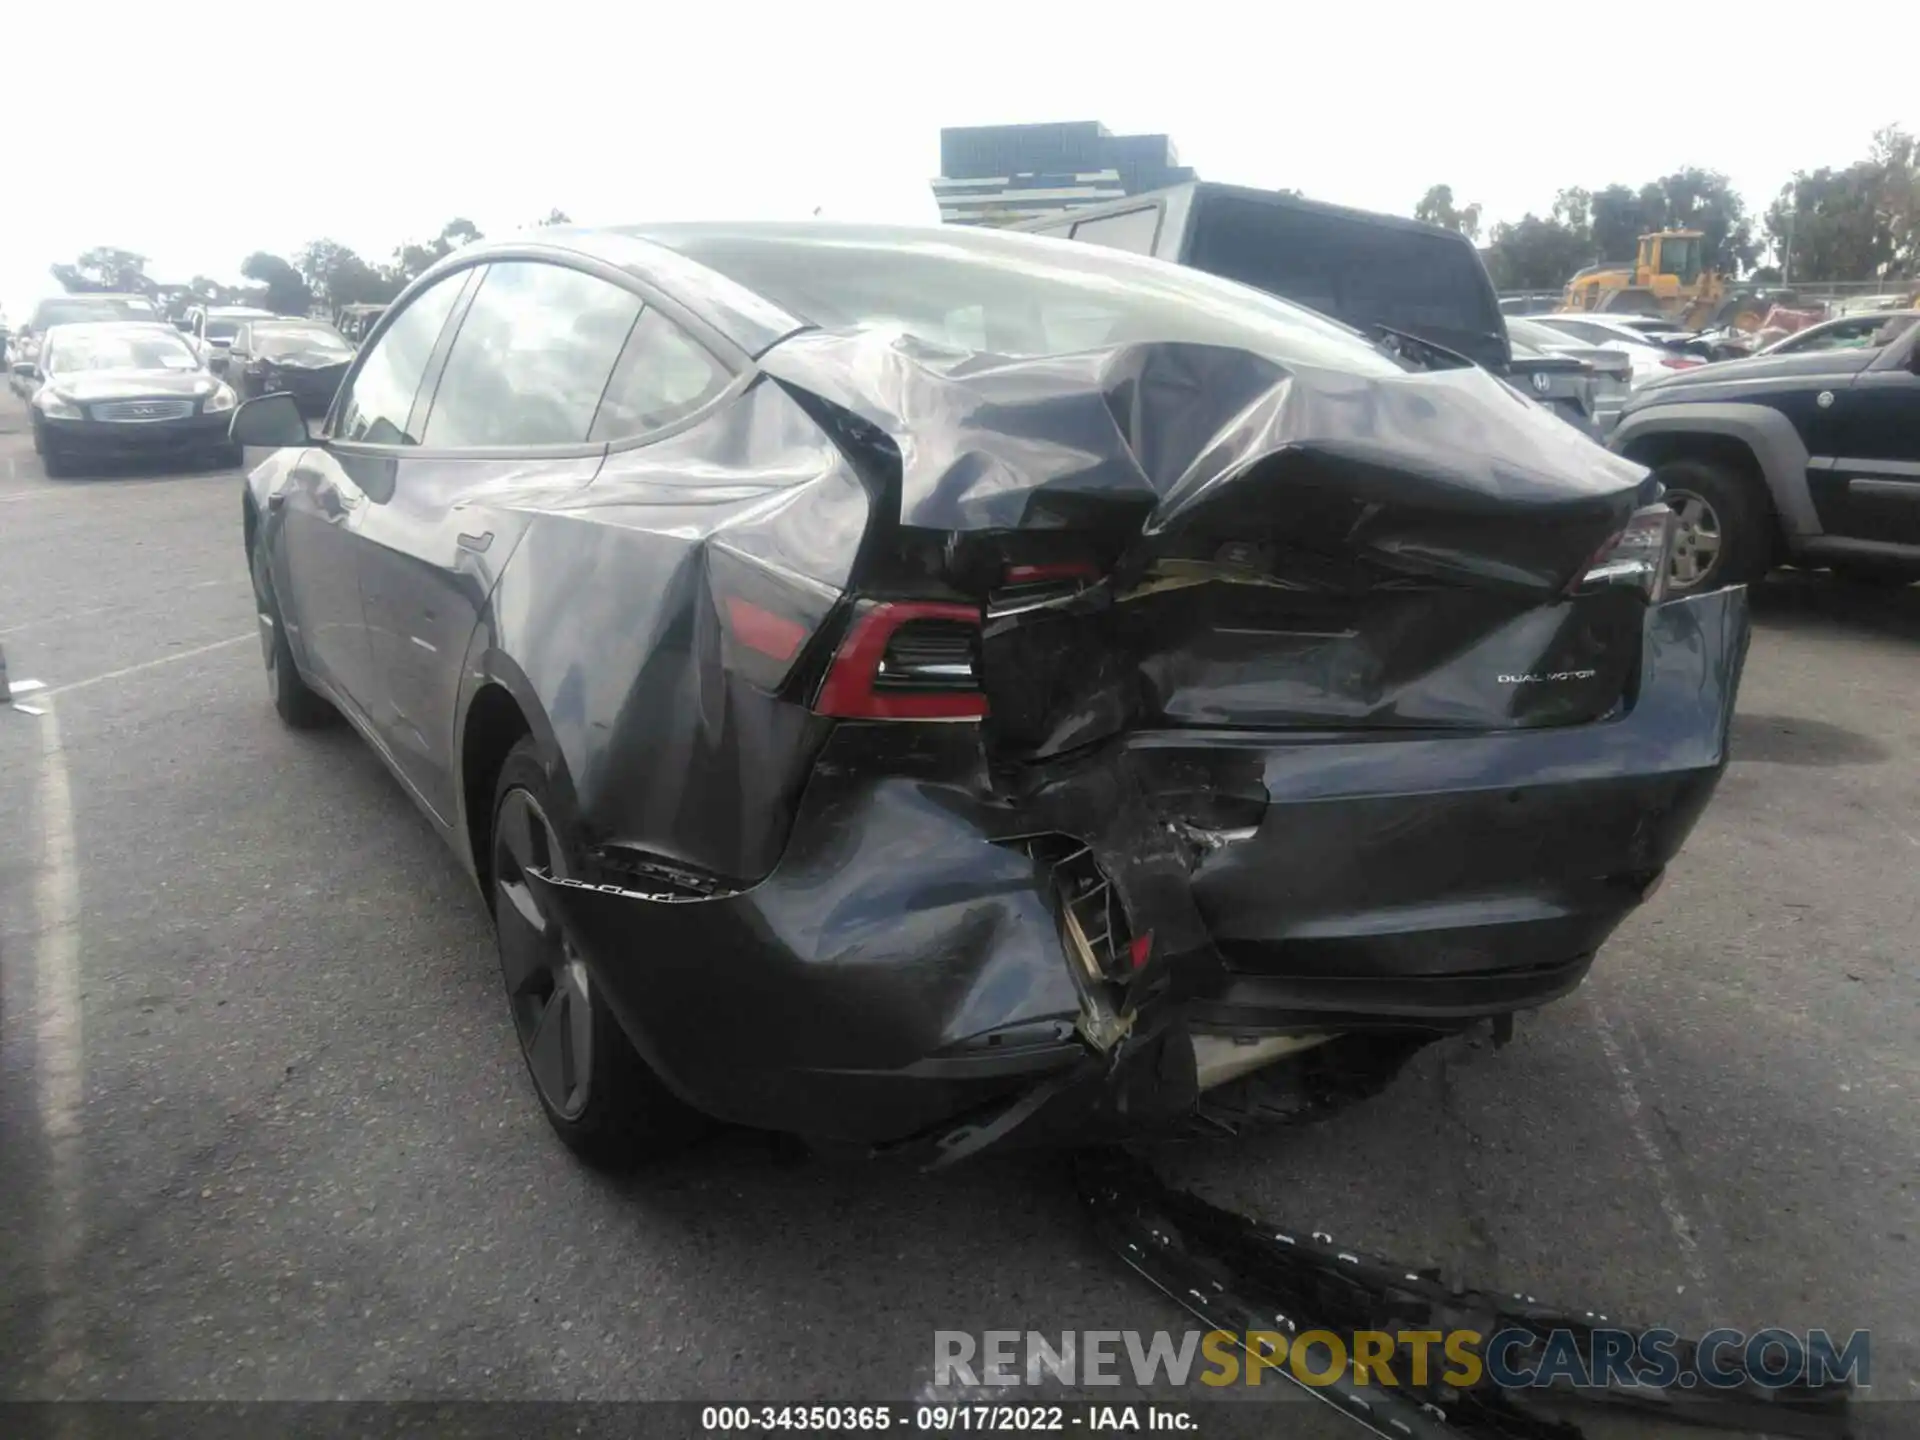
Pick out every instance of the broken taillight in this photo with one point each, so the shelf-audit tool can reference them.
(1636, 557)
(1679, 362)
(906, 660)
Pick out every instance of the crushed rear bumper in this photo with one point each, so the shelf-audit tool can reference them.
(901, 974)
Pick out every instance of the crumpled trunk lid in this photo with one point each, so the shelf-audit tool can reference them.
(1190, 535)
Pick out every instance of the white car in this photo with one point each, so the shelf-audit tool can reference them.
(1651, 360)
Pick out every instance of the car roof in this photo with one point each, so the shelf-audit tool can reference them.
(94, 295)
(247, 312)
(744, 318)
(95, 327)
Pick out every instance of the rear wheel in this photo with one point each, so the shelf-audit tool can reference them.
(1722, 529)
(598, 1094)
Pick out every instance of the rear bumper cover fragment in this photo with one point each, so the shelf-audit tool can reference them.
(1246, 1276)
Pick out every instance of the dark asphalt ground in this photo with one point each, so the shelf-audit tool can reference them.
(264, 1132)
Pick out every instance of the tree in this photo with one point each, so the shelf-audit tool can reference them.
(413, 260)
(287, 293)
(1436, 207)
(1898, 155)
(1573, 208)
(1704, 200)
(1620, 216)
(104, 268)
(1536, 254)
(560, 217)
(340, 277)
(1831, 225)
(1860, 223)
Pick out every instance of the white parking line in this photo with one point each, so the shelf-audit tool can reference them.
(126, 670)
(59, 1059)
(1685, 1232)
(110, 609)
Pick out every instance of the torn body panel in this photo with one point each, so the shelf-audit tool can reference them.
(902, 964)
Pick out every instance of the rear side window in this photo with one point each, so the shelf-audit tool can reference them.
(1134, 230)
(663, 376)
(377, 406)
(1363, 273)
(532, 358)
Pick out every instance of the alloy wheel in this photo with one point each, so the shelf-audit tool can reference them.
(547, 986)
(1696, 540)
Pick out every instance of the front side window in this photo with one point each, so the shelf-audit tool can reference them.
(376, 407)
(532, 358)
(664, 375)
(1680, 257)
(1844, 335)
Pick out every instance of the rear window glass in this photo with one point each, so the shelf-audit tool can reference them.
(1011, 294)
(277, 341)
(1365, 274)
(79, 309)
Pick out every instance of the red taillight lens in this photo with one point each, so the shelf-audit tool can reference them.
(1637, 557)
(1050, 571)
(906, 660)
(1676, 362)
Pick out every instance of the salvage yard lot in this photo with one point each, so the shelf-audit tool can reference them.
(266, 1135)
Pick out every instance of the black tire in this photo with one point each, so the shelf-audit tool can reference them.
(1741, 514)
(612, 1110)
(298, 706)
(56, 465)
(227, 457)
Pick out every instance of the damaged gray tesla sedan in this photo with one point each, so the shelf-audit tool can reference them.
(936, 688)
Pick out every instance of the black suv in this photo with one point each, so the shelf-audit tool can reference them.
(1377, 273)
(1807, 458)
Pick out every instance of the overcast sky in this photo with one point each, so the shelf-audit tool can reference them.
(197, 136)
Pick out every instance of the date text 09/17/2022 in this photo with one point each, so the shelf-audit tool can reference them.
(947, 1419)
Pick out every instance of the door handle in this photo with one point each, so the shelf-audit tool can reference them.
(276, 502)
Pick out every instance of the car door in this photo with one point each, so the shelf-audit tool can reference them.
(337, 479)
(510, 411)
(1875, 429)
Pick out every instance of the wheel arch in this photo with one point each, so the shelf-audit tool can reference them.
(500, 709)
(1755, 439)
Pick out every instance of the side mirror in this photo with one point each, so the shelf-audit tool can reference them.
(184, 326)
(272, 421)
